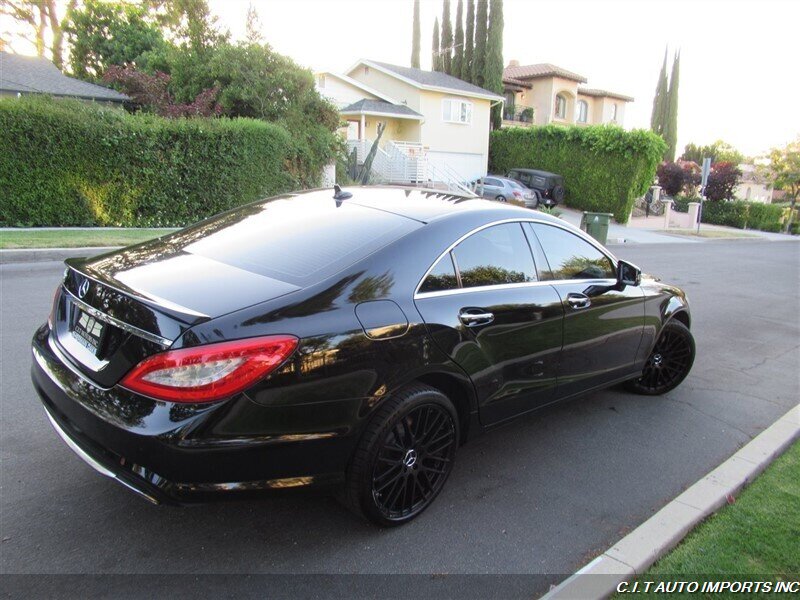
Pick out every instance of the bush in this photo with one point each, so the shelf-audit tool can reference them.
(605, 168)
(671, 178)
(744, 215)
(722, 181)
(66, 162)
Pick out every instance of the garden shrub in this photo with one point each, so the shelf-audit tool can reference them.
(66, 162)
(605, 168)
(740, 214)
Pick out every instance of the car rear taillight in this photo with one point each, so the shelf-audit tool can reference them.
(517, 194)
(211, 372)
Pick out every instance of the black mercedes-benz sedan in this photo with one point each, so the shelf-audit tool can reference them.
(352, 339)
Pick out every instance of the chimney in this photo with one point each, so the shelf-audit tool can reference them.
(513, 62)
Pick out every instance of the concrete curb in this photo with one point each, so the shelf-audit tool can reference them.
(637, 551)
(29, 255)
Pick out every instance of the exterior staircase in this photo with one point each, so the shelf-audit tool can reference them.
(407, 163)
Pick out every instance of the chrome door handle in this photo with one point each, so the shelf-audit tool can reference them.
(472, 319)
(578, 301)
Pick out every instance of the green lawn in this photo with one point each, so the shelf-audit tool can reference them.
(74, 238)
(756, 538)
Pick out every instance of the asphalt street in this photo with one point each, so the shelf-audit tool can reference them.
(540, 496)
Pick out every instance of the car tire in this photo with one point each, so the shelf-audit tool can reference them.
(557, 194)
(669, 362)
(500, 198)
(404, 457)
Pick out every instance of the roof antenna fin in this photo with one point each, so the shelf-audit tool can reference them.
(340, 195)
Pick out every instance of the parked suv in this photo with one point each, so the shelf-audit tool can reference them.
(549, 185)
(493, 187)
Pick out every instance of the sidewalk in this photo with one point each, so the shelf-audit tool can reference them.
(641, 234)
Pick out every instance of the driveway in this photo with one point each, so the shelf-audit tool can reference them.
(537, 498)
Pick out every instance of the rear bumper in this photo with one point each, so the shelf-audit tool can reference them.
(158, 464)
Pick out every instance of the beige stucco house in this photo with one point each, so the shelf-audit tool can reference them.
(545, 93)
(436, 126)
(753, 186)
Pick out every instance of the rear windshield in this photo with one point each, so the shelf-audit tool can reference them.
(299, 240)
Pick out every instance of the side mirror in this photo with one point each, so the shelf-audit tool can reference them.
(628, 274)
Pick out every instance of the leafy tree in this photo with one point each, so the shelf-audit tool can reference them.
(675, 178)
(101, 34)
(252, 26)
(151, 91)
(189, 22)
(719, 151)
(415, 37)
(722, 181)
(446, 44)
(436, 57)
(458, 41)
(657, 118)
(784, 170)
(671, 127)
(493, 79)
(469, 42)
(479, 53)
(37, 22)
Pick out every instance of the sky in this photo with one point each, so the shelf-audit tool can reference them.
(739, 59)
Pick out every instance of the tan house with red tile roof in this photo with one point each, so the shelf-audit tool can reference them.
(545, 93)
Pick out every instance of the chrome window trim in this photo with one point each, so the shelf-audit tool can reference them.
(566, 227)
(97, 314)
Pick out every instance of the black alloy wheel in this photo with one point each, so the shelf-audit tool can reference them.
(669, 363)
(405, 457)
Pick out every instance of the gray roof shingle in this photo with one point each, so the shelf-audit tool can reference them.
(436, 79)
(379, 106)
(34, 74)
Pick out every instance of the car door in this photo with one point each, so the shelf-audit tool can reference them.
(492, 188)
(484, 307)
(603, 321)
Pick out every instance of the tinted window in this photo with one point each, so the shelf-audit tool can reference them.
(542, 268)
(441, 277)
(495, 255)
(570, 257)
(492, 182)
(296, 240)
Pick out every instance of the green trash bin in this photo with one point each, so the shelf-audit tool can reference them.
(596, 225)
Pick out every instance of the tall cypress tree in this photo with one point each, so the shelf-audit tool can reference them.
(469, 42)
(660, 100)
(458, 41)
(415, 37)
(436, 57)
(447, 39)
(479, 54)
(671, 128)
(493, 79)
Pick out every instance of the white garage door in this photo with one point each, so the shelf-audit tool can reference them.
(469, 167)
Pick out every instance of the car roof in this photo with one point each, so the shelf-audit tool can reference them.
(423, 205)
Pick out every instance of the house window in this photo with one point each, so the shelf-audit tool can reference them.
(614, 112)
(561, 107)
(583, 111)
(456, 111)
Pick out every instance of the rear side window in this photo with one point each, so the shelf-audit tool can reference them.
(495, 255)
(441, 277)
(571, 257)
(492, 182)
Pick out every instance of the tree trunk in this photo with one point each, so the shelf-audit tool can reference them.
(367, 168)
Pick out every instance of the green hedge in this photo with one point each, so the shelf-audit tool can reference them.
(740, 214)
(605, 168)
(66, 162)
